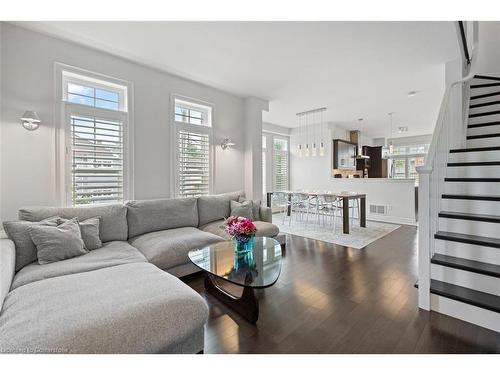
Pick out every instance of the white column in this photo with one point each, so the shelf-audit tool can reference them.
(253, 108)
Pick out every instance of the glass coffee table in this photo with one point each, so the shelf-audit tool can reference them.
(225, 268)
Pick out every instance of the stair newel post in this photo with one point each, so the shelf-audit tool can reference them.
(424, 239)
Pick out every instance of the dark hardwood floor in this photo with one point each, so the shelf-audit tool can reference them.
(334, 299)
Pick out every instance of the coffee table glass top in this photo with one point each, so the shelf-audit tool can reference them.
(257, 268)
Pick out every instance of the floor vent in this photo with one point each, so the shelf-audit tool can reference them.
(377, 209)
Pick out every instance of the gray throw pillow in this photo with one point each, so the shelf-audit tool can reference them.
(255, 207)
(17, 231)
(90, 232)
(241, 209)
(57, 243)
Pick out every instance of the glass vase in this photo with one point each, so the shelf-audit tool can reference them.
(243, 244)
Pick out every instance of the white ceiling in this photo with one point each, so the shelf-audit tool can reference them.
(356, 69)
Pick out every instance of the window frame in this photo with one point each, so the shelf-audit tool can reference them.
(63, 130)
(175, 127)
(287, 140)
(270, 159)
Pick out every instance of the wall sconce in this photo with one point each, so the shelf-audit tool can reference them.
(226, 143)
(30, 120)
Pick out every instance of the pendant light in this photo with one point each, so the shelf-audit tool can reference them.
(314, 151)
(360, 127)
(391, 145)
(321, 143)
(307, 136)
(300, 144)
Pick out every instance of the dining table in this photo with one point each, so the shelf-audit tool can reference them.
(344, 196)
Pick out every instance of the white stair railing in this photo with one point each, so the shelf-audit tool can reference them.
(450, 131)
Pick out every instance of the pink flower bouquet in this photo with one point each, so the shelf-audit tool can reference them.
(240, 229)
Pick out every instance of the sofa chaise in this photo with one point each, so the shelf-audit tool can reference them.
(124, 297)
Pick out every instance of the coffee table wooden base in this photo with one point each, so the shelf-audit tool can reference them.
(246, 305)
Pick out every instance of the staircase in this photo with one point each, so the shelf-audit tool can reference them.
(465, 253)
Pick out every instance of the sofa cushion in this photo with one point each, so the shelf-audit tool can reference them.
(57, 243)
(217, 228)
(132, 308)
(111, 254)
(113, 221)
(242, 209)
(90, 233)
(256, 204)
(169, 248)
(216, 207)
(264, 229)
(146, 216)
(17, 231)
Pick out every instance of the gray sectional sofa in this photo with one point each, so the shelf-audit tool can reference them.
(118, 298)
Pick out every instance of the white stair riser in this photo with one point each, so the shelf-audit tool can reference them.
(463, 311)
(471, 280)
(478, 253)
(486, 108)
(471, 206)
(474, 171)
(488, 99)
(492, 129)
(482, 119)
(457, 157)
(483, 142)
(480, 81)
(474, 227)
(484, 90)
(487, 188)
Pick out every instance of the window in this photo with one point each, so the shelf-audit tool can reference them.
(399, 168)
(405, 159)
(93, 97)
(193, 133)
(96, 119)
(413, 163)
(192, 113)
(280, 170)
(193, 164)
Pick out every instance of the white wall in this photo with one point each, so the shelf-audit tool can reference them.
(1, 125)
(317, 171)
(276, 129)
(489, 47)
(28, 158)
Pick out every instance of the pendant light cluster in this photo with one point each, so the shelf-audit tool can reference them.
(310, 142)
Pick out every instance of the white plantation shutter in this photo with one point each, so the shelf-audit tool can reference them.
(280, 150)
(193, 163)
(97, 160)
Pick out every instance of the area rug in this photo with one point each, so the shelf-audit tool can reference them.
(357, 238)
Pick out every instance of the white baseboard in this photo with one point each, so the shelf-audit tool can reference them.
(391, 219)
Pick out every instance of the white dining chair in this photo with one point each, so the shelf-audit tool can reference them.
(280, 201)
(300, 205)
(328, 208)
